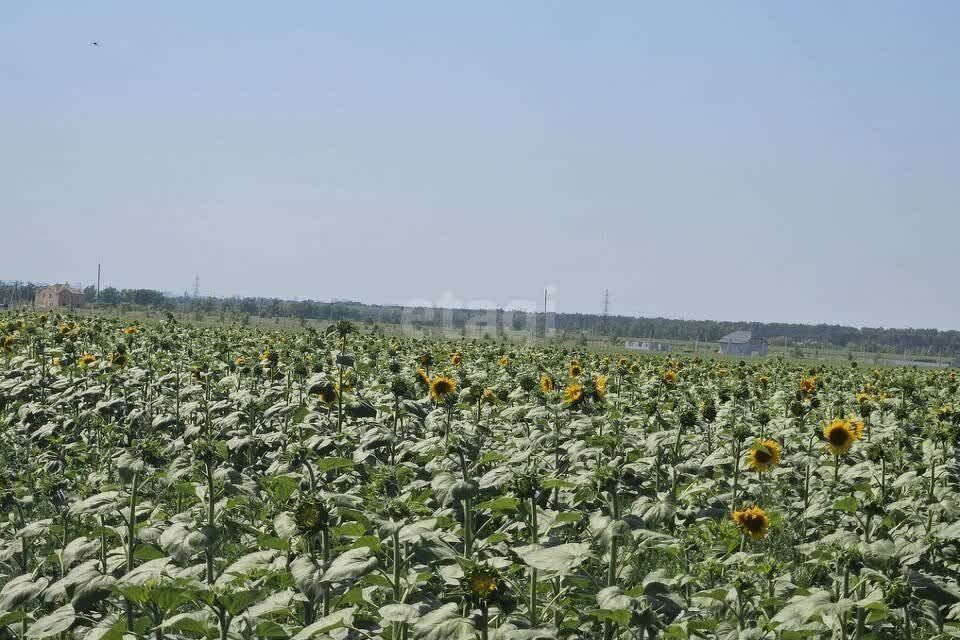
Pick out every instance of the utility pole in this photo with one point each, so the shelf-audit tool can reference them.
(98, 282)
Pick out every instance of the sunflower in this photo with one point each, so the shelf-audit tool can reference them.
(483, 582)
(8, 342)
(442, 387)
(327, 393)
(600, 384)
(488, 397)
(840, 435)
(863, 398)
(504, 361)
(753, 522)
(546, 383)
(669, 376)
(573, 393)
(240, 361)
(945, 412)
(456, 359)
(311, 516)
(130, 331)
(575, 369)
(808, 384)
(422, 377)
(764, 455)
(118, 359)
(86, 360)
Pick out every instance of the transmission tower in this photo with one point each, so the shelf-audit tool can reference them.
(196, 287)
(605, 312)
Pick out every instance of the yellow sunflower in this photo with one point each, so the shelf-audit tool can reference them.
(575, 369)
(752, 522)
(86, 360)
(488, 397)
(482, 585)
(546, 383)
(503, 361)
(669, 376)
(809, 384)
(442, 387)
(573, 393)
(601, 386)
(422, 377)
(8, 342)
(240, 361)
(130, 331)
(456, 359)
(840, 435)
(765, 455)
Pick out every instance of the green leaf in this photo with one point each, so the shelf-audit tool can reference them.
(330, 464)
(617, 616)
(336, 620)
(398, 613)
(350, 565)
(561, 559)
(848, 504)
(50, 625)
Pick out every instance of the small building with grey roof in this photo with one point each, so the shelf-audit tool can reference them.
(742, 343)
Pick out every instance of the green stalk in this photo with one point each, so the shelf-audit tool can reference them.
(131, 539)
(612, 566)
(325, 542)
(211, 506)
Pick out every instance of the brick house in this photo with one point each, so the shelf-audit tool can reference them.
(58, 295)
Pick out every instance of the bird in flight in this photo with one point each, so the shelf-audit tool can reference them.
(95, 43)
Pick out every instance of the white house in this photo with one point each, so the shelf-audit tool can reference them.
(645, 345)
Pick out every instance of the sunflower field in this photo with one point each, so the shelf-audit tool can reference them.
(171, 481)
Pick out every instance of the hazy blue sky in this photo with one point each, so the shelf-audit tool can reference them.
(710, 160)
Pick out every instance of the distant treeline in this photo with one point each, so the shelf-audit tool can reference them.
(870, 339)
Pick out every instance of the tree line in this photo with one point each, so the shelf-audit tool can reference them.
(869, 339)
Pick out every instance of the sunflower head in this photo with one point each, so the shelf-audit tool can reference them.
(600, 384)
(442, 387)
(118, 359)
(840, 434)
(326, 393)
(86, 360)
(422, 377)
(504, 361)
(483, 583)
(669, 376)
(311, 516)
(808, 385)
(752, 522)
(130, 331)
(765, 455)
(240, 361)
(8, 342)
(575, 369)
(573, 394)
(456, 359)
(945, 412)
(546, 383)
(488, 397)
